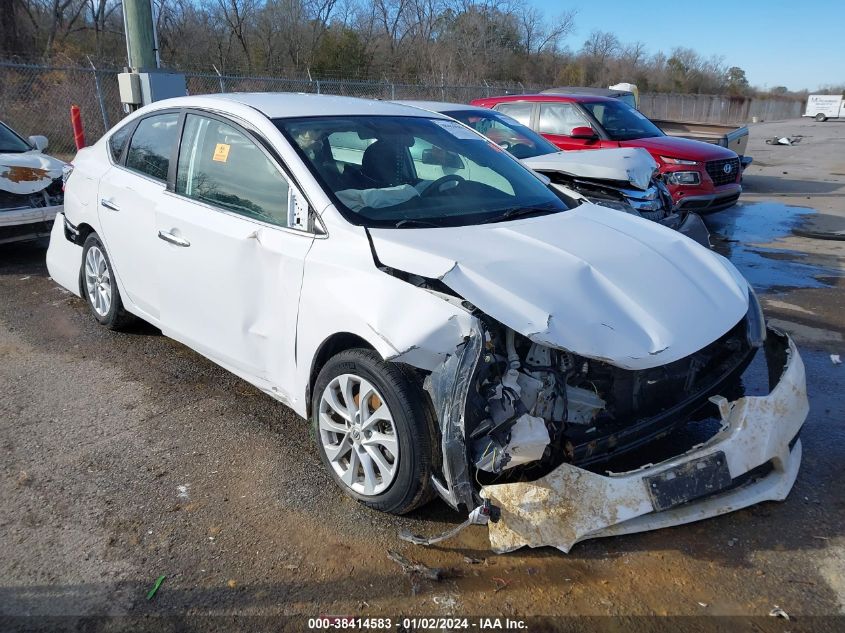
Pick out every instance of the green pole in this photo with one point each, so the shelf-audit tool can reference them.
(140, 34)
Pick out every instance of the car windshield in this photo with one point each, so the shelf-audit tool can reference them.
(621, 121)
(506, 132)
(410, 172)
(10, 142)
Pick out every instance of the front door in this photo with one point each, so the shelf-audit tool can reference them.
(229, 265)
(557, 119)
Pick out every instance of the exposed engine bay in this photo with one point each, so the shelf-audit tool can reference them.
(50, 196)
(512, 409)
(533, 407)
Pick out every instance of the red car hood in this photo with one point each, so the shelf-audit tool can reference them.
(676, 147)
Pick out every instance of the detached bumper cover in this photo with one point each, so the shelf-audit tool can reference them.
(64, 257)
(757, 438)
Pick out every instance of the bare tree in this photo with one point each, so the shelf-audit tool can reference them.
(236, 13)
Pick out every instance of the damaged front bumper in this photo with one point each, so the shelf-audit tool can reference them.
(754, 457)
(27, 222)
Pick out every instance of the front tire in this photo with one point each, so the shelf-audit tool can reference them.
(99, 286)
(374, 430)
(821, 118)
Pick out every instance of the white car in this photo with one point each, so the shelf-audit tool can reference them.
(448, 322)
(30, 187)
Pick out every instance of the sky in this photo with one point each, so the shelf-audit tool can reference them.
(793, 44)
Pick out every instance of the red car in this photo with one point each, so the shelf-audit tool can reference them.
(700, 176)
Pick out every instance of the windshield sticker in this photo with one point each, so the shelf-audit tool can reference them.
(457, 130)
(221, 152)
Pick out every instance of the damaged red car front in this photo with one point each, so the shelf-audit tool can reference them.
(30, 187)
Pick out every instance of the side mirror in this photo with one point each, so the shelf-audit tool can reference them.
(584, 132)
(39, 142)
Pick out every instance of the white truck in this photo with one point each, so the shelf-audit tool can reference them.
(824, 107)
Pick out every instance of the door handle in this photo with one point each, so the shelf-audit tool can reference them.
(173, 239)
(109, 205)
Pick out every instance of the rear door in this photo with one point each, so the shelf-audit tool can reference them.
(522, 111)
(229, 255)
(129, 193)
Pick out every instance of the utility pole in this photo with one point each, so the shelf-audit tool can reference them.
(141, 44)
(144, 82)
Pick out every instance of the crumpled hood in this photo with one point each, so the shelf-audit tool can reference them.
(29, 172)
(629, 164)
(591, 280)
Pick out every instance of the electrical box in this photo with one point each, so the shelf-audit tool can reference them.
(157, 85)
(129, 86)
(145, 87)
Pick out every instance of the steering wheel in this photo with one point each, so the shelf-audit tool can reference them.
(437, 185)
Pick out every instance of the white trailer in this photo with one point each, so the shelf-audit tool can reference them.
(824, 107)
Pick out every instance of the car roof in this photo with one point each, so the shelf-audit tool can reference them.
(441, 106)
(583, 90)
(542, 97)
(282, 105)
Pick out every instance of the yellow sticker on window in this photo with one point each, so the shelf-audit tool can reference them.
(221, 152)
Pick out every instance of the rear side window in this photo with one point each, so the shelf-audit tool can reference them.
(117, 142)
(152, 144)
(519, 111)
(221, 166)
(560, 118)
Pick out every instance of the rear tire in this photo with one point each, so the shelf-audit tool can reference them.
(821, 118)
(385, 464)
(99, 286)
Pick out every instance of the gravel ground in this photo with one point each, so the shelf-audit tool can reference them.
(126, 457)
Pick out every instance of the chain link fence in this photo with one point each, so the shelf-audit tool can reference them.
(36, 99)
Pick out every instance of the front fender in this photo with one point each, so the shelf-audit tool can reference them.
(344, 292)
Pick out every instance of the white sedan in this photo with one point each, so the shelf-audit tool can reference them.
(447, 321)
(30, 187)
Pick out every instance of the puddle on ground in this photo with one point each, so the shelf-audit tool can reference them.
(738, 232)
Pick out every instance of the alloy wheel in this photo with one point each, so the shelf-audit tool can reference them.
(98, 281)
(358, 435)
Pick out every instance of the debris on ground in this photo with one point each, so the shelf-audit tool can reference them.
(472, 561)
(784, 140)
(732, 542)
(501, 583)
(152, 592)
(777, 612)
(479, 516)
(703, 605)
(429, 573)
(834, 358)
(447, 602)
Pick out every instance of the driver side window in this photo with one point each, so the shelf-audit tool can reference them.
(560, 118)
